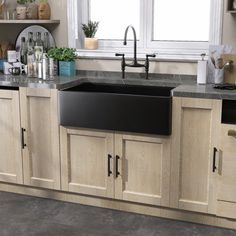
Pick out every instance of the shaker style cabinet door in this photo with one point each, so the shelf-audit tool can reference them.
(41, 154)
(227, 173)
(10, 138)
(142, 169)
(87, 162)
(196, 126)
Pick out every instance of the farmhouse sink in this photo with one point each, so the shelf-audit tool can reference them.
(129, 108)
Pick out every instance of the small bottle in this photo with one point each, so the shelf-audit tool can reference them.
(23, 51)
(38, 48)
(31, 68)
(46, 42)
(45, 66)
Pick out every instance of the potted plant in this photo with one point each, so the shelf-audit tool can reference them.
(44, 10)
(21, 9)
(90, 29)
(32, 10)
(66, 58)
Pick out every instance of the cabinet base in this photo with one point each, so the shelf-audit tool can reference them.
(121, 206)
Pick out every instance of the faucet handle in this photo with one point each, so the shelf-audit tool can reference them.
(150, 55)
(119, 54)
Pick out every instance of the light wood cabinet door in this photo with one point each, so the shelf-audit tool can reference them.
(196, 126)
(143, 164)
(10, 138)
(227, 173)
(41, 155)
(87, 162)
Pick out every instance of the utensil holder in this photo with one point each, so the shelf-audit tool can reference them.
(219, 76)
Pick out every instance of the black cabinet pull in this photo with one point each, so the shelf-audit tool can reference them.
(23, 145)
(109, 172)
(117, 166)
(214, 160)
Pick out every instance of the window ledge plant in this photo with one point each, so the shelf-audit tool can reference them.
(90, 30)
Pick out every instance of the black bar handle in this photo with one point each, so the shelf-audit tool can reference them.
(150, 55)
(117, 166)
(109, 172)
(214, 160)
(119, 54)
(23, 145)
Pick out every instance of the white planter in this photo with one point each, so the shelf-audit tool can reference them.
(21, 12)
(91, 43)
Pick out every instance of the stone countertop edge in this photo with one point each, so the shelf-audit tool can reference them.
(182, 85)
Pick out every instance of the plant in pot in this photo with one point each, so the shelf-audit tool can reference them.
(66, 58)
(90, 29)
(21, 9)
(44, 10)
(32, 10)
(54, 57)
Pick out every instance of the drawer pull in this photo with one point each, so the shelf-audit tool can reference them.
(23, 145)
(232, 133)
(214, 160)
(109, 165)
(117, 167)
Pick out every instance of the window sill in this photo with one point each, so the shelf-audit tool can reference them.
(160, 56)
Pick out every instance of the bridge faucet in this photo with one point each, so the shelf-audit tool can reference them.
(134, 63)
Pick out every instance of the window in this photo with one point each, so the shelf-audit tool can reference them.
(173, 29)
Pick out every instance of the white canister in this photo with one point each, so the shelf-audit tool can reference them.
(11, 56)
(202, 72)
(219, 76)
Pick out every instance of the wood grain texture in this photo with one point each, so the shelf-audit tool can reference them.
(85, 162)
(227, 176)
(194, 137)
(145, 169)
(39, 113)
(10, 138)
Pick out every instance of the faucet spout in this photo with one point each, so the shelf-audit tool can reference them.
(135, 42)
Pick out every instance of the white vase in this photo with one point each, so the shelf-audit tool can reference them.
(90, 43)
(21, 12)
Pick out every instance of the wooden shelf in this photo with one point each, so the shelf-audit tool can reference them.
(30, 22)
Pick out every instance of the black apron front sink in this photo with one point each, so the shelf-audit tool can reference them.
(129, 108)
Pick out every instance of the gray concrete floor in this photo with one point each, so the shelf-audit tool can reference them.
(26, 216)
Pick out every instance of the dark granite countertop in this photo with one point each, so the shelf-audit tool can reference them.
(184, 85)
(203, 91)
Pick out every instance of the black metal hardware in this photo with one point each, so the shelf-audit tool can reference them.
(109, 165)
(135, 62)
(214, 160)
(147, 63)
(122, 63)
(23, 145)
(117, 166)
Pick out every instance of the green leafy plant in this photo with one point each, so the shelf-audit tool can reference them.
(62, 54)
(90, 29)
(22, 2)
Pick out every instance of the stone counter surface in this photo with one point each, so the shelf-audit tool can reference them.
(184, 85)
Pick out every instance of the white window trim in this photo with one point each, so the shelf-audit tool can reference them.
(164, 50)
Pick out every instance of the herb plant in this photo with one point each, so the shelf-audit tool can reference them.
(22, 2)
(62, 54)
(90, 29)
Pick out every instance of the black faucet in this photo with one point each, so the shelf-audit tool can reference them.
(134, 63)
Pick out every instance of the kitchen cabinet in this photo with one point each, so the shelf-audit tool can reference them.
(226, 204)
(126, 167)
(39, 121)
(143, 165)
(87, 162)
(196, 131)
(10, 137)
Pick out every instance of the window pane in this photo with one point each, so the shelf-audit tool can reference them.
(182, 20)
(114, 16)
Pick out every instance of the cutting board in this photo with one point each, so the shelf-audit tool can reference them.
(230, 72)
